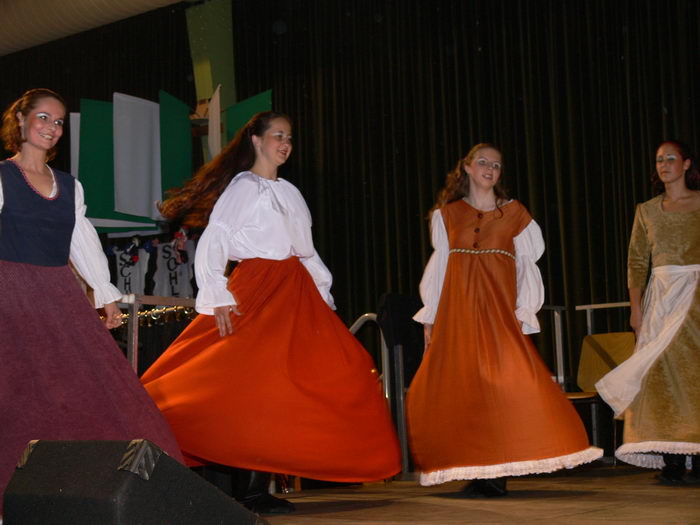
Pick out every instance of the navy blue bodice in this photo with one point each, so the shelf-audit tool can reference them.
(35, 229)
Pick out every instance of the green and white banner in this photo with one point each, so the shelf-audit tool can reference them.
(128, 153)
(96, 168)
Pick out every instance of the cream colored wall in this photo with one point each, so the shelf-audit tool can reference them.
(28, 23)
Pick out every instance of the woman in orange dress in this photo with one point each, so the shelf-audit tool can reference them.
(482, 405)
(268, 378)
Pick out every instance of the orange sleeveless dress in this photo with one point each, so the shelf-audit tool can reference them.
(483, 404)
(290, 391)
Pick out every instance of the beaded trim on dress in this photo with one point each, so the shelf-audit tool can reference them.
(479, 252)
(517, 468)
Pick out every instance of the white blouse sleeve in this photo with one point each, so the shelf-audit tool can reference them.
(213, 250)
(321, 276)
(529, 247)
(431, 284)
(87, 256)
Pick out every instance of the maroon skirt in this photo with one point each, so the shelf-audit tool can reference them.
(62, 376)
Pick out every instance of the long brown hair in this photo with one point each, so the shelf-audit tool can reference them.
(192, 204)
(457, 181)
(692, 174)
(11, 132)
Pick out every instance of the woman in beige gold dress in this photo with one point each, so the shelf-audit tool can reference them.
(657, 390)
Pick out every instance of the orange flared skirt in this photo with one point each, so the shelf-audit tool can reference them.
(290, 391)
(482, 403)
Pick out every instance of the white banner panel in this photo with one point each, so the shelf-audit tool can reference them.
(137, 184)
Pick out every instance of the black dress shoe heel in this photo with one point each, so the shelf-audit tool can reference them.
(485, 488)
(258, 499)
(694, 474)
(269, 504)
(495, 488)
(673, 473)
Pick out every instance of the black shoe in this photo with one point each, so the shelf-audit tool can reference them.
(268, 504)
(473, 490)
(495, 488)
(673, 473)
(485, 488)
(694, 475)
(257, 497)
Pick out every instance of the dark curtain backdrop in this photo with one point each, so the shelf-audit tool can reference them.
(387, 95)
(137, 56)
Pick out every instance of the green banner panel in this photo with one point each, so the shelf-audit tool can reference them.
(238, 114)
(175, 142)
(96, 165)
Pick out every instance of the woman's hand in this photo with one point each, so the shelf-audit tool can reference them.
(427, 333)
(113, 315)
(635, 309)
(636, 320)
(222, 315)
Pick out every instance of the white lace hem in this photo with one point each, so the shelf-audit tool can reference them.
(517, 468)
(648, 454)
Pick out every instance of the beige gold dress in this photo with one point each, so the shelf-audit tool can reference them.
(657, 390)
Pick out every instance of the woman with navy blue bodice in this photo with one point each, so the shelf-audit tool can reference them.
(62, 377)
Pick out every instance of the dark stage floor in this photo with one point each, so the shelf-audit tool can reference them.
(589, 495)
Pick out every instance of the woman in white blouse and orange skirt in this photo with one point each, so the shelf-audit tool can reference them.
(268, 378)
(482, 405)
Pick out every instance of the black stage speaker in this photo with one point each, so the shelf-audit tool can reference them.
(113, 483)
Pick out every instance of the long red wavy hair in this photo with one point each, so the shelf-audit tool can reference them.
(192, 204)
(457, 181)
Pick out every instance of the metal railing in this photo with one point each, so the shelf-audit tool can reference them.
(398, 382)
(559, 330)
(589, 308)
(133, 303)
(558, 342)
(386, 368)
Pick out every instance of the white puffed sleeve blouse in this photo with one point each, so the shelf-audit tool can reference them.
(529, 247)
(255, 217)
(86, 251)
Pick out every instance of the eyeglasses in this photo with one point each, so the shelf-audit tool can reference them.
(493, 164)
